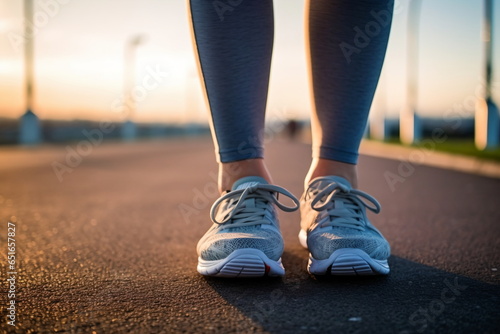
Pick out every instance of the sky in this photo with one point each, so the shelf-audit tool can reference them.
(79, 60)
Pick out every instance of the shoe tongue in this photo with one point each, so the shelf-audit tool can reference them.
(248, 181)
(326, 180)
(338, 204)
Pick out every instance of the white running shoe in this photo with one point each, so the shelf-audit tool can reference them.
(245, 239)
(336, 231)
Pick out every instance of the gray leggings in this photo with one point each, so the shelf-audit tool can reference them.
(347, 45)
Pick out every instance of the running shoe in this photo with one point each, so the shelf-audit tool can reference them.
(336, 230)
(245, 239)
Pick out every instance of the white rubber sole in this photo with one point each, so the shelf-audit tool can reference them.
(247, 262)
(345, 261)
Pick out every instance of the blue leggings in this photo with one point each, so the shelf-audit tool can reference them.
(347, 45)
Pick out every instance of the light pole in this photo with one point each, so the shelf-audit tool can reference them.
(378, 128)
(410, 127)
(486, 118)
(28, 53)
(129, 130)
(29, 128)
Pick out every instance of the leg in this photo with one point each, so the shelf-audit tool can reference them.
(347, 42)
(234, 47)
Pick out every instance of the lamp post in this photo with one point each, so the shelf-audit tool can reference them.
(378, 128)
(129, 131)
(29, 128)
(410, 127)
(486, 118)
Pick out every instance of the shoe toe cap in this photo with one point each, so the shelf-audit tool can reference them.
(219, 248)
(323, 245)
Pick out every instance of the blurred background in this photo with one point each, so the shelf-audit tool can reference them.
(132, 62)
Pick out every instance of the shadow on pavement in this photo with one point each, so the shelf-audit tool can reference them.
(414, 298)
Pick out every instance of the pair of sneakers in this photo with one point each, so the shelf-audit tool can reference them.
(245, 239)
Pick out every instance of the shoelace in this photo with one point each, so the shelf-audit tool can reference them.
(248, 206)
(344, 205)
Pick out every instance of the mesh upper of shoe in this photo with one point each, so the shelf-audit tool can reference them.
(322, 245)
(218, 246)
(246, 220)
(329, 236)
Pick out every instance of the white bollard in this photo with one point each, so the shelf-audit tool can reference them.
(379, 129)
(29, 129)
(410, 127)
(486, 125)
(129, 131)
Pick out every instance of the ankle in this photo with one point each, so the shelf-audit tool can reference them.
(230, 172)
(324, 167)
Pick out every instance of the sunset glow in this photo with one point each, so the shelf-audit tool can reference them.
(79, 59)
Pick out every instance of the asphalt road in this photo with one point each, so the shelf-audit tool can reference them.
(110, 247)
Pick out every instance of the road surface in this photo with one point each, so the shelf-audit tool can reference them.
(105, 239)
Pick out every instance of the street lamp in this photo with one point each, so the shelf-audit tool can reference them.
(378, 124)
(29, 128)
(410, 127)
(129, 131)
(486, 121)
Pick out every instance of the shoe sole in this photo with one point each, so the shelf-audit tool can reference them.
(345, 262)
(245, 262)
